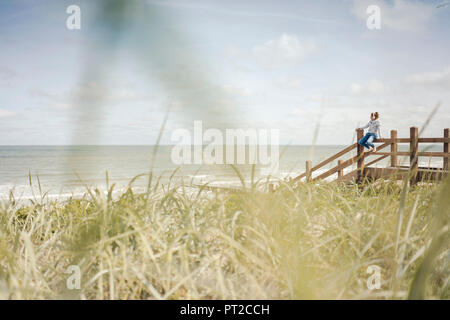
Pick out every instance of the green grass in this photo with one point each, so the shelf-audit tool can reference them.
(314, 241)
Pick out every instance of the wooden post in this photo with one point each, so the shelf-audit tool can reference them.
(341, 171)
(394, 147)
(308, 170)
(413, 161)
(360, 154)
(446, 135)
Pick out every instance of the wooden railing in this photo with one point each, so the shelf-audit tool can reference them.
(414, 140)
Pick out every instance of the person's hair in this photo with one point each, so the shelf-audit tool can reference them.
(374, 116)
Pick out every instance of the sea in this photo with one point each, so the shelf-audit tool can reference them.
(28, 172)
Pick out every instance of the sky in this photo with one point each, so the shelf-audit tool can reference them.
(297, 66)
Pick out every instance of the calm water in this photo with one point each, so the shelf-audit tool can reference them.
(63, 170)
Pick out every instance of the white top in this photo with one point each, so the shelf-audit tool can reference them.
(374, 127)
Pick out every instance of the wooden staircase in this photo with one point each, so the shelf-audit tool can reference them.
(364, 171)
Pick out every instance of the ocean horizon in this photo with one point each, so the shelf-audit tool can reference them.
(66, 170)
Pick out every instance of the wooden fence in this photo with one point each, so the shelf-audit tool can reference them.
(363, 169)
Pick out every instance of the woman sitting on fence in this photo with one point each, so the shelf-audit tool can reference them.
(372, 134)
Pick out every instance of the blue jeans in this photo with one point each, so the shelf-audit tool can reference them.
(366, 141)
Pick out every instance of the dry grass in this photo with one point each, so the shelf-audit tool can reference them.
(312, 241)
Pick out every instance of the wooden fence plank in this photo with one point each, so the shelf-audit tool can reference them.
(376, 160)
(394, 149)
(405, 153)
(308, 170)
(434, 140)
(446, 136)
(328, 160)
(413, 155)
(343, 165)
(359, 154)
(413, 161)
(389, 140)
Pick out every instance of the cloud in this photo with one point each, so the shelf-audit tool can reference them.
(374, 87)
(286, 50)
(402, 103)
(87, 93)
(7, 76)
(288, 83)
(7, 73)
(401, 15)
(355, 88)
(302, 112)
(6, 113)
(91, 91)
(237, 91)
(61, 106)
(247, 14)
(438, 78)
(233, 51)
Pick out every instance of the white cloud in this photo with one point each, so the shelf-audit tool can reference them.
(233, 51)
(374, 87)
(6, 113)
(306, 114)
(400, 16)
(289, 83)
(247, 14)
(356, 88)
(286, 50)
(7, 73)
(91, 92)
(236, 91)
(61, 106)
(399, 104)
(438, 78)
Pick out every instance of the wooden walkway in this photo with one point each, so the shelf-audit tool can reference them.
(364, 171)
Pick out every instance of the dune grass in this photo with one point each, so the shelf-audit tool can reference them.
(314, 241)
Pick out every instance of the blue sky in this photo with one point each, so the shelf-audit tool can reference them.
(287, 65)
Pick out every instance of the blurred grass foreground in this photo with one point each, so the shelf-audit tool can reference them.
(322, 240)
(313, 241)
